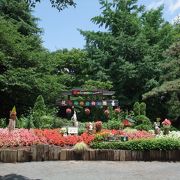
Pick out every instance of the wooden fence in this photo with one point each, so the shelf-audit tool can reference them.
(51, 153)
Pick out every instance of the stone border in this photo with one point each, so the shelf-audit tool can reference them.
(52, 153)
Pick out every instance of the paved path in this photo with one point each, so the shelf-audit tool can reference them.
(90, 170)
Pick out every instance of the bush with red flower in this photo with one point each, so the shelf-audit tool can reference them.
(166, 123)
(25, 137)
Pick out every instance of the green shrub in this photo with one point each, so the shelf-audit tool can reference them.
(105, 125)
(113, 124)
(142, 119)
(80, 147)
(99, 138)
(60, 122)
(3, 123)
(142, 107)
(136, 108)
(142, 144)
(145, 127)
(38, 111)
(81, 130)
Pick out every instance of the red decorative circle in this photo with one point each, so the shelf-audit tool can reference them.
(68, 111)
(87, 111)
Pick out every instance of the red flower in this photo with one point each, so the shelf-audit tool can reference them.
(166, 122)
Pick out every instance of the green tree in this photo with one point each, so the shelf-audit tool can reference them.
(127, 53)
(72, 65)
(26, 68)
(168, 91)
(59, 4)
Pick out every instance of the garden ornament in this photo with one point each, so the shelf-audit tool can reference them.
(157, 129)
(12, 120)
(74, 119)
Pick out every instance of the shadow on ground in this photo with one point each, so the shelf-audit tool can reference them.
(15, 177)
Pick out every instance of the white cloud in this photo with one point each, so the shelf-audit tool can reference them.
(155, 4)
(174, 5)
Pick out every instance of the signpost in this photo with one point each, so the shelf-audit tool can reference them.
(72, 130)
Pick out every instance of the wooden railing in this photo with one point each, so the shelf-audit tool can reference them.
(51, 153)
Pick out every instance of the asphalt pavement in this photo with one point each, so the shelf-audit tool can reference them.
(90, 170)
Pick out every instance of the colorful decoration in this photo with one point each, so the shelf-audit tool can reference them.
(87, 103)
(81, 103)
(76, 103)
(87, 111)
(68, 111)
(93, 103)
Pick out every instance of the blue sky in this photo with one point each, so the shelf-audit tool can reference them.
(60, 28)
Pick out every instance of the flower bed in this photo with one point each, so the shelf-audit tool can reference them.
(25, 137)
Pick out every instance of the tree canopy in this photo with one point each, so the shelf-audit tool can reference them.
(59, 4)
(137, 55)
(129, 51)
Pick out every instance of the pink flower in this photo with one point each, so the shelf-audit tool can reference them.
(166, 122)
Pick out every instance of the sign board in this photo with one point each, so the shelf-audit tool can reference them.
(72, 130)
(88, 103)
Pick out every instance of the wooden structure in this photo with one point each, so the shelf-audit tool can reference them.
(86, 102)
(51, 153)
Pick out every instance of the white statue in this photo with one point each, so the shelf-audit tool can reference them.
(74, 119)
(156, 127)
(90, 126)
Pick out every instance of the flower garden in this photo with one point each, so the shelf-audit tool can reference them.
(129, 133)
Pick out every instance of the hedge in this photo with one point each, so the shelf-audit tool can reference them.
(141, 144)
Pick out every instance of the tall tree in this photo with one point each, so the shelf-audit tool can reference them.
(168, 90)
(26, 68)
(126, 53)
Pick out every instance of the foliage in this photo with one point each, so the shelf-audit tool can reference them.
(80, 147)
(168, 90)
(142, 144)
(143, 108)
(136, 108)
(3, 123)
(145, 127)
(129, 52)
(93, 85)
(142, 119)
(174, 107)
(59, 4)
(26, 68)
(113, 124)
(38, 112)
(60, 122)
